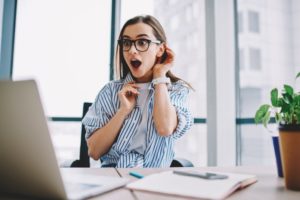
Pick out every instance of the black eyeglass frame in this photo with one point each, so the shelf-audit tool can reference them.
(134, 42)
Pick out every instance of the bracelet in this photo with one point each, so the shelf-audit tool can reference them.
(162, 79)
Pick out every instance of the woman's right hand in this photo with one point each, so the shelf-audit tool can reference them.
(127, 96)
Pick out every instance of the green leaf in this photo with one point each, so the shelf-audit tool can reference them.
(280, 102)
(287, 98)
(274, 97)
(298, 117)
(297, 99)
(266, 119)
(289, 90)
(285, 107)
(278, 117)
(261, 112)
(298, 75)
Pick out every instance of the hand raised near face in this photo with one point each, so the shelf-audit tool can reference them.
(127, 96)
(160, 69)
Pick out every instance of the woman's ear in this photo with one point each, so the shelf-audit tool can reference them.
(161, 50)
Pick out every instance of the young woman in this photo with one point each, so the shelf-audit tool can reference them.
(135, 120)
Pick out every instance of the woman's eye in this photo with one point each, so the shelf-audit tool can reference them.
(126, 43)
(141, 42)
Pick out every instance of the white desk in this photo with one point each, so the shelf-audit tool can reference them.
(269, 186)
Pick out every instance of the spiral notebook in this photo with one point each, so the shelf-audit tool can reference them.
(188, 186)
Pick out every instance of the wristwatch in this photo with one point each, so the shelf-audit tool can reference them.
(159, 80)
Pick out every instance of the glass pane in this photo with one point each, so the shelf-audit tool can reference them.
(65, 46)
(189, 40)
(193, 145)
(271, 60)
(66, 139)
(184, 24)
(132, 8)
(257, 148)
(253, 22)
(271, 57)
(242, 59)
(254, 59)
(240, 22)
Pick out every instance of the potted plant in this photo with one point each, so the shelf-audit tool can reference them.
(285, 107)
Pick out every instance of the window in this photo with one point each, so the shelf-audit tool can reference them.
(272, 61)
(172, 2)
(190, 65)
(196, 9)
(240, 22)
(242, 59)
(132, 8)
(189, 13)
(255, 58)
(64, 46)
(184, 41)
(250, 98)
(253, 22)
(174, 22)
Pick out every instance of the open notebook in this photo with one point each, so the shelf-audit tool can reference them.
(187, 186)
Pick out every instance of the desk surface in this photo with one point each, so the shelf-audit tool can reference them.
(269, 186)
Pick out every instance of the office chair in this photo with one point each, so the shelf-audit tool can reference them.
(84, 160)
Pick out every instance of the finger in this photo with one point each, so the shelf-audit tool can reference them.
(130, 91)
(130, 94)
(131, 84)
(134, 86)
(133, 90)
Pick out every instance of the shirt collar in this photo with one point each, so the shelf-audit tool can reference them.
(129, 78)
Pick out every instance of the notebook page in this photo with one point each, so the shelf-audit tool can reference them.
(169, 183)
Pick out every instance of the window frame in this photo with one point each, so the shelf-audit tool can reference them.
(7, 39)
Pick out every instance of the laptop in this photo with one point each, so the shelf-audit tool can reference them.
(28, 165)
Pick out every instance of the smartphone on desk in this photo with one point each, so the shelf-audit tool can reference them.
(204, 175)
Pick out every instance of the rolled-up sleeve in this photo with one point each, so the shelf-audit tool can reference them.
(185, 119)
(98, 114)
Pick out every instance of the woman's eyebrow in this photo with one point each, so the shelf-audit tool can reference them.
(138, 36)
(142, 35)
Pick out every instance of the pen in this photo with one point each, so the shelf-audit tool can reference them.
(135, 174)
(207, 175)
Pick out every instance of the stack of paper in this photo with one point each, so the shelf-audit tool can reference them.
(170, 183)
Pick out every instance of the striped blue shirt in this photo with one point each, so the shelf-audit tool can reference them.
(159, 150)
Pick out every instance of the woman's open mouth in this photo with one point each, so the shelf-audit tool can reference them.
(135, 63)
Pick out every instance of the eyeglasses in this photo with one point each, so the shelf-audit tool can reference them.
(140, 44)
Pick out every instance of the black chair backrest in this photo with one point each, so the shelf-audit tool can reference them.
(84, 157)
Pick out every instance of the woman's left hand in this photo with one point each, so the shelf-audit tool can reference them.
(161, 69)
